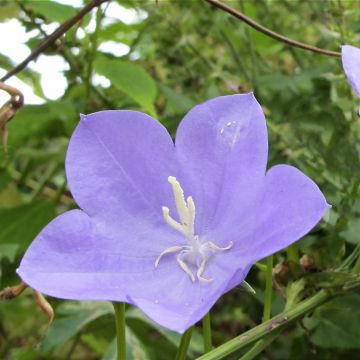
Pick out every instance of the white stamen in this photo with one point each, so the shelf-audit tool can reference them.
(218, 248)
(169, 250)
(200, 271)
(185, 267)
(196, 253)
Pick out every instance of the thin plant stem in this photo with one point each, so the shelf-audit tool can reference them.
(119, 308)
(46, 178)
(206, 324)
(260, 266)
(293, 254)
(356, 268)
(273, 325)
(184, 344)
(268, 288)
(269, 32)
(260, 346)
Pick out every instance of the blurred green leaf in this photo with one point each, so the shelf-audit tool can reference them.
(19, 225)
(336, 324)
(135, 349)
(8, 251)
(9, 194)
(130, 78)
(178, 102)
(7, 10)
(51, 10)
(72, 318)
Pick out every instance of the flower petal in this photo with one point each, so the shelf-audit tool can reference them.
(291, 205)
(351, 64)
(74, 258)
(222, 148)
(118, 163)
(180, 303)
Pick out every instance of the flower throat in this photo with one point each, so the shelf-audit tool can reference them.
(195, 253)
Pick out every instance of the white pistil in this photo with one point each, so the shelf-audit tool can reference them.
(195, 252)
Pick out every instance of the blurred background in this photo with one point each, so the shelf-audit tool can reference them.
(163, 57)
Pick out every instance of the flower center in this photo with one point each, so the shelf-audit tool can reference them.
(196, 253)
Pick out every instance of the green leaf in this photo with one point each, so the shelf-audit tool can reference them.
(8, 10)
(130, 78)
(35, 122)
(19, 225)
(51, 10)
(135, 349)
(196, 344)
(8, 251)
(9, 194)
(178, 102)
(71, 317)
(336, 324)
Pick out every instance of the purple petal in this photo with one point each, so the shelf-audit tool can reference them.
(118, 163)
(73, 259)
(351, 64)
(290, 206)
(222, 147)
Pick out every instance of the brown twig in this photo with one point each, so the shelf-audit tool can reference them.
(45, 306)
(269, 32)
(9, 109)
(12, 292)
(61, 30)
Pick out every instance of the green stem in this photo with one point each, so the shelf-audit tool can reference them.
(268, 288)
(268, 327)
(184, 344)
(260, 266)
(260, 346)
(119, 308)
(46, 178)
(206, 323)
(356, 268)
(293, 254)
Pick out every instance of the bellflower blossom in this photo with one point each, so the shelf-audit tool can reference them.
(351, 63)
(170, 228)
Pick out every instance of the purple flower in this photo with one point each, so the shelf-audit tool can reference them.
(170, 228)
(351, 63)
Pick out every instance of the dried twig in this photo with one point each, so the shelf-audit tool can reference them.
(268, 32)
(9, 109)
(12, 292)
(45, 306)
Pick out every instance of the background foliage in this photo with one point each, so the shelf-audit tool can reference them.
(182, 53)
